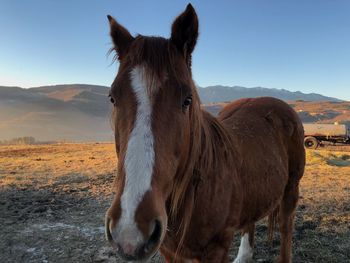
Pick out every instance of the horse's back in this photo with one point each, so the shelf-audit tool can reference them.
(268, 135)
(260, 119)
(257, 119)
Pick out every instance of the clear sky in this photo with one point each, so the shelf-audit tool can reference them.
(296, 45)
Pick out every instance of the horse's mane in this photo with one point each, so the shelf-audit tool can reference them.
(210, 146)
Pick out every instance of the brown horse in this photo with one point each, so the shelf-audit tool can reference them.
(187, 180)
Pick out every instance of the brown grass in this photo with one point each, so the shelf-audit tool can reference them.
(309, 111)
(50, 186)
(64, 165)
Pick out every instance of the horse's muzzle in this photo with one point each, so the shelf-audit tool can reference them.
(129, 252)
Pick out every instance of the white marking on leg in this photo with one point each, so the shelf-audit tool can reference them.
(245, 251)
(139, 162)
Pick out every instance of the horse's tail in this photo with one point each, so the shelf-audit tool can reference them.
(273, 218)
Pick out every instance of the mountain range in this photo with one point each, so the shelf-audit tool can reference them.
(219, 93)
(81, 112)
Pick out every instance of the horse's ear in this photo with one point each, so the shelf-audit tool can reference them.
(121, 37)
(184, 32)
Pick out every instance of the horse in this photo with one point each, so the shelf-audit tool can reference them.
(186, 180)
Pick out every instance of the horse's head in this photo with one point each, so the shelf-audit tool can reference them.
(154, 99)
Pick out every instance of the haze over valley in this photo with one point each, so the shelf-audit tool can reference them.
(82, 112)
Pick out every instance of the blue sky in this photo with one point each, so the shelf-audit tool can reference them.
(296, 45)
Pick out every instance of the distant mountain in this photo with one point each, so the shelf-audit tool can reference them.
(81, 112)
(219, 93)
(63, 112)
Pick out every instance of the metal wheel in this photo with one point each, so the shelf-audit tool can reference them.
(311, 142)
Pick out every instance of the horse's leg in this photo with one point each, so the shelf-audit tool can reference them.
(245, 251)
(170, 258)
(217, 251)
(286, 220)
(216, 254)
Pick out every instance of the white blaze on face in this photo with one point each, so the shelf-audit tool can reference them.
(139, 160)
(245, 251)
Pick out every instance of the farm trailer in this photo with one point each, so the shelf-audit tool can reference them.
(316, 134)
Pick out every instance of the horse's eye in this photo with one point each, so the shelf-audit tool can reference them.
(111, 99)
(187, 102)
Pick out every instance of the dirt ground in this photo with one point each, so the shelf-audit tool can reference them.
(53, 199)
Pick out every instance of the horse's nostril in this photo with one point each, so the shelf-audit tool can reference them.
(107, 230)
(154, 237)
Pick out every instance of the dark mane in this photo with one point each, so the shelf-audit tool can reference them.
(155, 52)
(211, 145)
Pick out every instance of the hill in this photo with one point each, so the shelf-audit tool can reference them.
(81, 112)
(64, 112)
(213, 94)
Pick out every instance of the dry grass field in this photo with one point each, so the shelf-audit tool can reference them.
(308, 111)
(53, 199)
